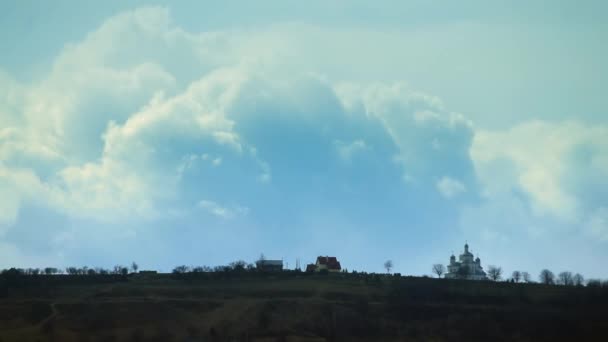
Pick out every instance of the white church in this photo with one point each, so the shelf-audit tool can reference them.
(466, 267)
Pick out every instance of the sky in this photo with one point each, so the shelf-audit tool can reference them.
(203, 132)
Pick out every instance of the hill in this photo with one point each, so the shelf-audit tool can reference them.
(294, 307)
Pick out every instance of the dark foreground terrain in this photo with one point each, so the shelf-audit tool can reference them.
(295, 307)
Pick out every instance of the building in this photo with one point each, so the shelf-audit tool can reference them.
(466, 267)
(269, 265)
(331, 264)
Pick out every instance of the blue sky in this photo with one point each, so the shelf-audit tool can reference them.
(199, 133)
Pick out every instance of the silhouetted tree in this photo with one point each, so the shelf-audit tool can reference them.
(516, 276)
(565, 278)
(439, 270)
(388, 264)
(219, 269)
(134, 267)
(50, 270)
(526, 277)
(181, 269)
(494, 272)
(578, 280)
(546, 277)
(117, 269)
(594, 283)
(32, 271)
(71, 270)
(238, 265)
(101, 270)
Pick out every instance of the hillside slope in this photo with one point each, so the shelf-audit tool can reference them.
(296, 307)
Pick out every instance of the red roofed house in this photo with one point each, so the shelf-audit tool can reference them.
(331, 264)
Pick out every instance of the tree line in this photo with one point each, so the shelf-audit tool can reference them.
(547, 277)
(72, 270)
(494, 273)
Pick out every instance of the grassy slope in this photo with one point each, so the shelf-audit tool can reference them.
(299, 308)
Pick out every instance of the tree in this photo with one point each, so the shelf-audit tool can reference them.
(181, 269)
(72, 270)
(546, 277)
(101, 270)
(578, 280)
(134, 267)
(526, 277)
(50, 270)
(117, 269)
(516, 276)
(438, 269)
(388, 264)
(494, 272)
(238, 265)
(565, 278)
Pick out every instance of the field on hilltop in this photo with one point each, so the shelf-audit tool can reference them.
(294, 307)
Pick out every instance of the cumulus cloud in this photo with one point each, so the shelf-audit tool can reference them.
(449, 187)
(348, 150)
(141, 119)
(431, 140)
(221, 211)
(556, 166)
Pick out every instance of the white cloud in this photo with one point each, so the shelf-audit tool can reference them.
(118, 125)
(417, 123)
(539, 158)
(347, 150)
(221, 211)
(449, 187)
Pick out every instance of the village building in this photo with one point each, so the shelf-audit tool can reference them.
(467, 267)
(269, 265)
(330, 264)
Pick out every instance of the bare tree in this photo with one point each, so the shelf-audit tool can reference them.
(578, 280)
(101, 270)
(546, 277)
(117, 269)
(525, 276)
(516, 276)
(388, 264)
(438, 269)
(50, 270)
(565, 278)
(71, 270)
(134, 267)
(494, 272)
(238, 265)
(181, 269)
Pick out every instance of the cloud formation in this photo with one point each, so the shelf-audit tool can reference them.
(143, 124)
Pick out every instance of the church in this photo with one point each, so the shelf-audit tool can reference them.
(465, 267)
